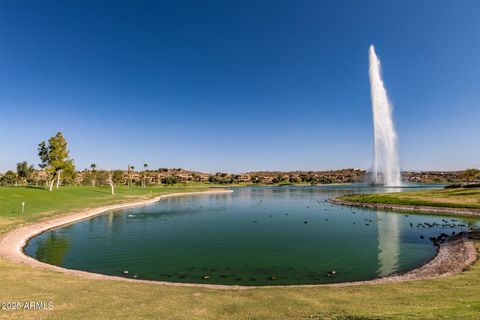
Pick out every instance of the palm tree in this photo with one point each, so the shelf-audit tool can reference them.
(144, 182)
(93, 166)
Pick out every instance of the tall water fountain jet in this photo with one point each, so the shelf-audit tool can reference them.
(386, 169)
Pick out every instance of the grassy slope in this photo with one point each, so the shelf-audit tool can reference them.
(457, 198)
(77, 298)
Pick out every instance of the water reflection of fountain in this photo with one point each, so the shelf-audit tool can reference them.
(388, 242)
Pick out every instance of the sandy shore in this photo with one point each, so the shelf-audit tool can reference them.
(468, 212)
(453, 256)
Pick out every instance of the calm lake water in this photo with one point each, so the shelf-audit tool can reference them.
(254, 236)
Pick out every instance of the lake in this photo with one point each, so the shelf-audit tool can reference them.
(253, 236)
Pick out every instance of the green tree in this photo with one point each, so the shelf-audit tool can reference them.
(277, 179)
(55, 158)
(24, 171)
(87, 178)
(255, 179)
(117, 176)
(170, 180)
(470, 174)
(294, 180)
(9, 178)
(69, 174)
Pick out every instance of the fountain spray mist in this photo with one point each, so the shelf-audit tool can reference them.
(385, 166)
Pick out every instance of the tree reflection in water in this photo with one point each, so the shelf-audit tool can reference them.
(52, 249)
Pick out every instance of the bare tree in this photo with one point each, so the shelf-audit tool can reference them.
(110, 181)
(58, 178)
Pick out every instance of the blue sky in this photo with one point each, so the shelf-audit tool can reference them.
(238, 85)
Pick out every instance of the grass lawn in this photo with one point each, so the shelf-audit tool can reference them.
(456, 198)
(455, 297)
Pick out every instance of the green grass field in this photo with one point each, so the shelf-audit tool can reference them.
(454, 198)
(455, 297)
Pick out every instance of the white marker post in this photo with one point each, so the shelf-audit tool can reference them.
(23, 206)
